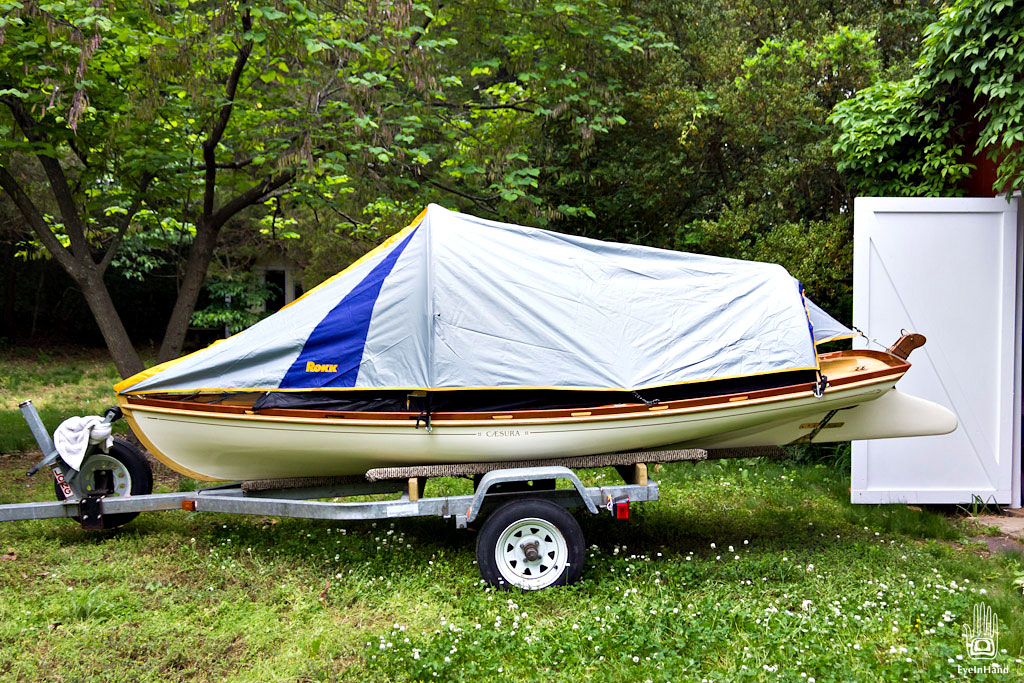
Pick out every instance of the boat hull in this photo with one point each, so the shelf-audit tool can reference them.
(893, 415)
(216, 446)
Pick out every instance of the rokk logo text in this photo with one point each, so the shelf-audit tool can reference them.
(318, 367)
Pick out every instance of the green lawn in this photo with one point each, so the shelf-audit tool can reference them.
(750, 569)
(60, 382)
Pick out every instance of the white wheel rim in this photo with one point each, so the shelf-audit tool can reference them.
(511, 559)
(102, 461)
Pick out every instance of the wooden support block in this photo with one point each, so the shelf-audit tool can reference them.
(416, 486)
(633, 474)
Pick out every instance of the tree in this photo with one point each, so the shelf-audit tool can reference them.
(965, 99)
(727, 146)
(358, 112)
(99, 99)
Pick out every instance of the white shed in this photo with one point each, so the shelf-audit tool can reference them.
(950, 269)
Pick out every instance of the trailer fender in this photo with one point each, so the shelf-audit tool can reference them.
(495, 477)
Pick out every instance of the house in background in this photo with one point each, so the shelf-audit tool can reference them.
(285, 276)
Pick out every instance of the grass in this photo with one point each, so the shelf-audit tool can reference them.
(60, 382)
(744, 570)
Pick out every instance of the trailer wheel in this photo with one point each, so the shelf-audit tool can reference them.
(530, 544)
(130, 472)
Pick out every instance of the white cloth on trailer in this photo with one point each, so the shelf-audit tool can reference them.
(74, 436)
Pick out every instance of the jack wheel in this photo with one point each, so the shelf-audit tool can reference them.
(129, 474)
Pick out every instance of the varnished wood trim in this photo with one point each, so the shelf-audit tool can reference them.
(625, 412)
(896, 368)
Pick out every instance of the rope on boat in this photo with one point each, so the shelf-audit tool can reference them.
(861, 333)
(648, 403)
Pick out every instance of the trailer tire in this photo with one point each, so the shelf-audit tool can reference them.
(131, 471)
(530, 544)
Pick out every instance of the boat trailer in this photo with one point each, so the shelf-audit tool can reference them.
(527, 539)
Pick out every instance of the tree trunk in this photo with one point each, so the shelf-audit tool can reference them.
(10, 291)
(199, 257)
(114, 334)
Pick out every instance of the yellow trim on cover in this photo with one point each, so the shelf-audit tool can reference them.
(840, 337)
(367, 256)
(149, 372)
(646, 386)
(814, 344)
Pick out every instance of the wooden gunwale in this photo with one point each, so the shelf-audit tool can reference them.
(896, 368)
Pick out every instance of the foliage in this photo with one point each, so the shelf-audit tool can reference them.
(355, 113)
(727, 140)
(153, 245)
(238, 300)
(818, 253)
(966, 97)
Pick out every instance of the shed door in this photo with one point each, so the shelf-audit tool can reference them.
(950, 269)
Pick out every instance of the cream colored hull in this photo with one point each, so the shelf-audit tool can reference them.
(219, 446)
(893, 415)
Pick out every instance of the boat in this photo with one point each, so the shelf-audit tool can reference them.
(464, 340)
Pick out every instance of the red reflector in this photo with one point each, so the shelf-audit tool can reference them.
(189, 505)
(622, 510)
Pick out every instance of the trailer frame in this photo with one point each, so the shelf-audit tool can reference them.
(531, 487)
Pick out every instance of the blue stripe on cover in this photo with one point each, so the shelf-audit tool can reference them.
(334, 350)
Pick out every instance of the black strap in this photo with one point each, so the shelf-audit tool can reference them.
(807, 438)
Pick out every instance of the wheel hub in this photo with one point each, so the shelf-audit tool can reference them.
(531, 553)
(97, 464)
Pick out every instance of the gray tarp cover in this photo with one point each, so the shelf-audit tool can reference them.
(455, 301)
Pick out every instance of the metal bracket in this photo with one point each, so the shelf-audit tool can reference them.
(90, 512)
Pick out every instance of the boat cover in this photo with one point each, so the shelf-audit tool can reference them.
(454, 301)
(826, 328)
